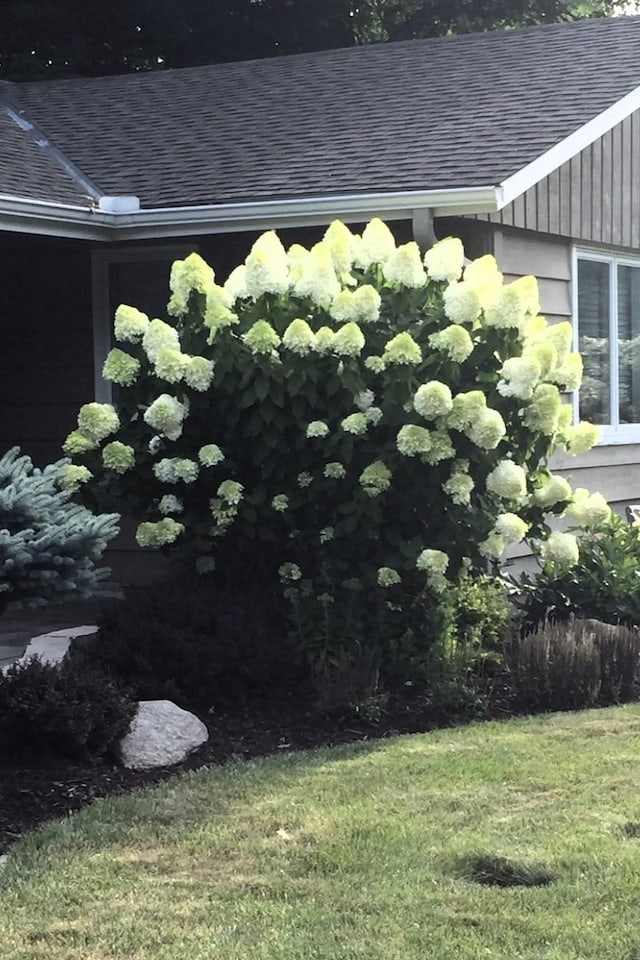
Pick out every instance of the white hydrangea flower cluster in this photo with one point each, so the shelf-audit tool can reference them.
(121, 368)
(170, 364)
(543, 412)
(561, 550)
(175, 469)
(317, 428)
(413, 440)
(588, 510)
(364, 400)
(441, 448)
(348, 341)
(433, 400)
(130, 324)
(316, 278)
(289, 572)
(261, 338)
(581, 438)
(159, 534)
(218, 314)
(508, 480)
(553, 490)
(170, 504)
(326, 534)
(355, 423)
(519, 376)
(77, 444)
(97, 421)
(487, 430)
(361, 305)
(455, 341)
(191, 275)
(280, 502)
(388, 577)
(71, 476)
(231, 492)
(460, 484)
(375, 479)
(304, 479)
(266, 267)
(119, 457)
(236, 285)
(166, 415)
(435, 564)
(210, 455)
(378, 243)
(462, 303)
(403, 350)
(334, 471)
(299, 338)
(159, 336)
(445, 260)
(198, 373)
(404, 267)
(508, 529)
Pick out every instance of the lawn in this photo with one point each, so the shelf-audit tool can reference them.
(371, 852)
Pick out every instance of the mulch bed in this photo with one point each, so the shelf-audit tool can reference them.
(31, 795)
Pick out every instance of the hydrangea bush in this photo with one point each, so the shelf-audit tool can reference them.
(354, 415)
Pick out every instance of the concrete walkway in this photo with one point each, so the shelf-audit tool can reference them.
(19, 628)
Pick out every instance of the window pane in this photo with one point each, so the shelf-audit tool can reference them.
(629, 343)
(593, 340)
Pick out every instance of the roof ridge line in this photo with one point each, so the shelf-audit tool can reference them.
(41, 140)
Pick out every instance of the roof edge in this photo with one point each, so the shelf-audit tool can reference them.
(517, 184)
(55, 219)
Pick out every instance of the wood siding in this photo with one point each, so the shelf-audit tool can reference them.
(594, 197)
(46, 360)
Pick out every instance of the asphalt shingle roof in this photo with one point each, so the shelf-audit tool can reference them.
(456, 112)
(28, 171)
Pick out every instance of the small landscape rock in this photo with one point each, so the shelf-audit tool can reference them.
(161, 734)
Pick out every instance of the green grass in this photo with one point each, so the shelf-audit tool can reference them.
(399, 850)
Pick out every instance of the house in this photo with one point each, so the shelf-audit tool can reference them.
(526, 143)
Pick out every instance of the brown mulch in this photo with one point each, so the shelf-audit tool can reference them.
(32, 795)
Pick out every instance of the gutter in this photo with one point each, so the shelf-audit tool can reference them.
(116, 218)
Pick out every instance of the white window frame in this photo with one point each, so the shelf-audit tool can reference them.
(101, 261)
(615, 432)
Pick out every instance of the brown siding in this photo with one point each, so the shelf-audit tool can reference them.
(594, 197)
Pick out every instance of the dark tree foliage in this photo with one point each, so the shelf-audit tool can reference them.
(46, 39)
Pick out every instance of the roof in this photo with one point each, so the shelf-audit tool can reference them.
(460, 113)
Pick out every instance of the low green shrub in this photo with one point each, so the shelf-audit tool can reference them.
(603, 584)
(70, 710)
(570, 666)
(358, 644)
(192, 641)
(476, 623)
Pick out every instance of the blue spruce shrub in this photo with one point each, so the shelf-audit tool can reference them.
(48, 545)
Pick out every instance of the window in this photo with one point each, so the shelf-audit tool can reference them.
(138, 276)
(607, 312)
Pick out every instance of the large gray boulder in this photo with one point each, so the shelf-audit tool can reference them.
(161, 734)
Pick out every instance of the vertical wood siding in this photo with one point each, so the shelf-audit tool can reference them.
(594, 197)
(46, 358)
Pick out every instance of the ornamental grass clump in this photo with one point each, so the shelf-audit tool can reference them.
(408, 404)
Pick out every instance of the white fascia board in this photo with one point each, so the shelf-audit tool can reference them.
(307, 211)
(31, 216)
(23, 215)
(584, 136)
